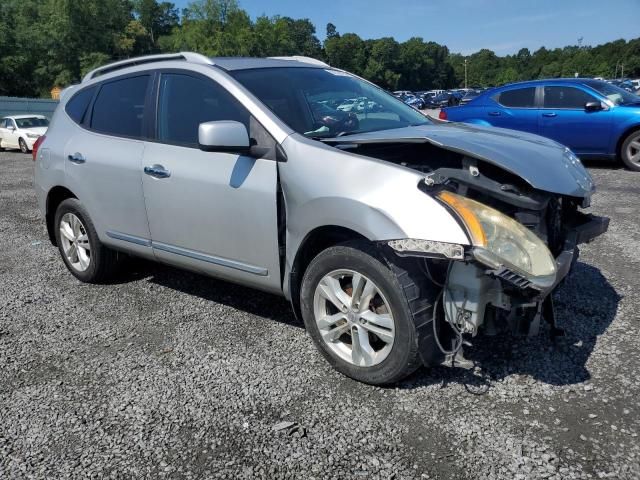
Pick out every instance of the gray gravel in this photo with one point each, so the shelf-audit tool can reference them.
(169, 374)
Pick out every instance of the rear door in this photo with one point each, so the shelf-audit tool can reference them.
(103, 159)
(514, 108)
(211, 211)
(564, 119)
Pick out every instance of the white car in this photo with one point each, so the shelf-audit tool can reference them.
(22, 131)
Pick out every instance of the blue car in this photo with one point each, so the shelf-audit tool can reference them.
(593, 118)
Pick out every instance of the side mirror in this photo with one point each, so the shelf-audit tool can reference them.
(224, 136)
(12, 128)
(593, 106)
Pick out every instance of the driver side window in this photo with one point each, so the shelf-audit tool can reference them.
(566, 98)
(187, 101)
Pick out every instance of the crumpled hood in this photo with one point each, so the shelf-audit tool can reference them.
(543, 163)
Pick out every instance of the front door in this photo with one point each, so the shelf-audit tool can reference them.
(564, 119)
(211, 211)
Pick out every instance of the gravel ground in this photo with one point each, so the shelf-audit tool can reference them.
(169, 374)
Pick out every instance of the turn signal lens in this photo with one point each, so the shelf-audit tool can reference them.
(461, 207)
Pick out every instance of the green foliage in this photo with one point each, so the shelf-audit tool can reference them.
(45, 43)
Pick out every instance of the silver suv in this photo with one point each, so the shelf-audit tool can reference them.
(394, 235)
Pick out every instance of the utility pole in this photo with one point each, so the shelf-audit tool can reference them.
(465, 73)
(622, 67)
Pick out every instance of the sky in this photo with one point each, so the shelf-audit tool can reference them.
(466, 26)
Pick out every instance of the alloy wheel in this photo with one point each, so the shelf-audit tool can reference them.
(75, 242)
(354, 318)
(633, 150)
(23, 146)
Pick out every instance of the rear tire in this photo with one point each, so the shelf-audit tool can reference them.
(393, 344)
(23, 146)
(630, 151)
(82, 252)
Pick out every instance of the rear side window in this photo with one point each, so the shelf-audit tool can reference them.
(186, 102)
(518, 98)
(566, 97)
(77, 106)
(119, 107)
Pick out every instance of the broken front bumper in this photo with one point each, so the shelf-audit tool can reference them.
(583, 229)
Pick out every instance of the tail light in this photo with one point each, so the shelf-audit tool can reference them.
(442, 115)
(36, 146)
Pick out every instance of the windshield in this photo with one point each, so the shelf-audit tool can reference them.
(32, 122)
(616, 94)
(324, 103)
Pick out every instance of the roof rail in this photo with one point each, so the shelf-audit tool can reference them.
(303, 59)
(131, 62)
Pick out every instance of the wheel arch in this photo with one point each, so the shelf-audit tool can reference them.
(55, 197)
(317, 240)
(625, 134)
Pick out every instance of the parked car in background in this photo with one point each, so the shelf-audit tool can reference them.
(22, 131)
(624, 83)
(378, 229)
(415, 102)
(441, 100)
(468, 96)
(595, 119)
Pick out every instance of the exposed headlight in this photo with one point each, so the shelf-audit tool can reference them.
(33, 135)
(500, 240)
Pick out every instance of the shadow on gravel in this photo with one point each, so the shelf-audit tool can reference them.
(603, 164)
(586, 304)
(235, 296)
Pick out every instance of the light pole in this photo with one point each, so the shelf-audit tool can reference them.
(465, 73)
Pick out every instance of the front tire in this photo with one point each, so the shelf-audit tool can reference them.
(23, 146)
(356, 310)
(81, 250)
(630, 151)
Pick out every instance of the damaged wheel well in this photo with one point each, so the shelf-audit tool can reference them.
(315, 242)
(55, 197)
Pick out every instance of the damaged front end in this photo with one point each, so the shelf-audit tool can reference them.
(523, 238)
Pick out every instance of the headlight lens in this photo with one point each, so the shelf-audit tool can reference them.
(501, 238)
(32, 135)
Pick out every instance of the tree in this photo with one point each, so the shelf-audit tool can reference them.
(54, 42)
(158, 19)
(332, 31)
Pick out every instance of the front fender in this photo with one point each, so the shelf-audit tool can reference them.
(324, 186)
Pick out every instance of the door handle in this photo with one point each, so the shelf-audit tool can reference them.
(157, 171)
(551, 114)
(494, 114)
(76, 158)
